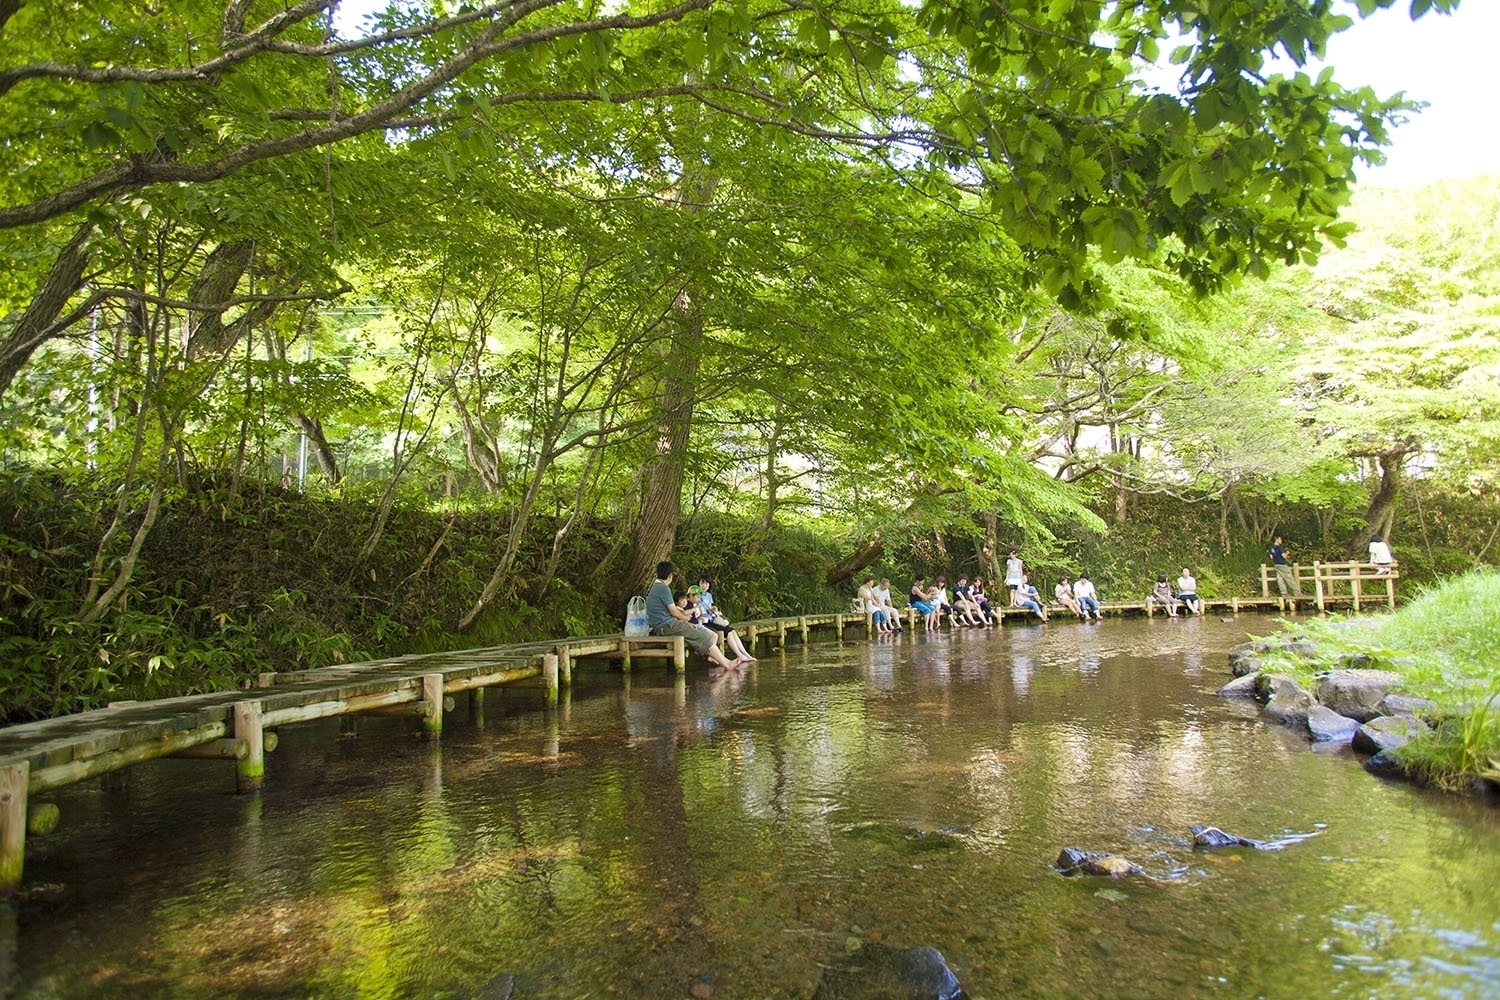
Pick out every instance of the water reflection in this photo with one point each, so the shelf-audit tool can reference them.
(739, 829)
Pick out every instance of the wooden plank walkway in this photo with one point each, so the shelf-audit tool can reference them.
(240, 726)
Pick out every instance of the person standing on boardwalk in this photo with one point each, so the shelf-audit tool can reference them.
(1013, 573)
(1286, 579)
(665, 618)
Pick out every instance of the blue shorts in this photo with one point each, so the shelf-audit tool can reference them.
(923, 607)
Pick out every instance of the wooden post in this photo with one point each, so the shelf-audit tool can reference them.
(679, 653)
(564, 664)
(1318, 584)
(1390, 591)
(625, 655)
(476, 707)
(1234, 605)
(838, 623)
(869, 625)
(751, 634)
(265, 680)
(13, 781)
(1265, 580)
(805, 629)
(250, 771)
(1354, 584)
(781, 633)
(432, 694)
(1149, 610)
(549, 676)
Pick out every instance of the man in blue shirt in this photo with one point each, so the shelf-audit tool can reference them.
(1286, 579)
(666, 618)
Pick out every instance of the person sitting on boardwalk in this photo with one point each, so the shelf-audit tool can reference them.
(701, 605)
(1013, 573)
(665, 618)
(883, 592)
(1161, 594)
(1380, 555)
(1028, 597)
(964, 603)
(920, 598)
(1065, 597)
(869, 604)
(1286, 575)
(982, 600)
(1187, 592)
(1087, 597)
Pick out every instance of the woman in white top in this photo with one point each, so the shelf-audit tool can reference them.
(1187, 591)
(1380, 555)
(1013, 573)
(1064, 592)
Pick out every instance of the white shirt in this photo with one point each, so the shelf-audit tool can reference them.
(1012, 572)
(1084, 588)
(1380, 553)
(1187, 585)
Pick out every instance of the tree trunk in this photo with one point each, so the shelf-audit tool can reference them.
(868, 551)
(1381, 515)
(322, 451)
(661, 506)
(990, 550)
(34, 326)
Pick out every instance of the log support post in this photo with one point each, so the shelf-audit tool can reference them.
(549, 676)
(476, 707)
(625, 655)
(805, 628)
(751, 635)
(838, 623)
(1318, 584)
(250, 770)
(679, 654)
(13, 781)
(564, 665)
(1354, 584)
(1390, 592)
(780, 633)
(869, 625)
(432, 696)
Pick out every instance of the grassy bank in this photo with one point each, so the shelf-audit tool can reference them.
(1446, 645)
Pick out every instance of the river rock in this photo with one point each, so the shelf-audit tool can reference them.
(1328, 726)
(877, 972)
(1384, 762)
(1356, 693)
(1286, 702)
(1211, 837)
(1240, 687)
(1387, 733)
(1407, 705)
(1072, 861)
(1244, 653)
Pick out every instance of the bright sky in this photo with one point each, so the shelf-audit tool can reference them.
(1449, 62)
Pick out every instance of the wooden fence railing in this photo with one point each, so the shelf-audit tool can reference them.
(1340, 582)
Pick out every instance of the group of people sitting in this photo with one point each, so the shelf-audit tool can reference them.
(693, 615)
(1185, 596)
(969, 606)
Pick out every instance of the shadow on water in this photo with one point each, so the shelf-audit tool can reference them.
(742, 834)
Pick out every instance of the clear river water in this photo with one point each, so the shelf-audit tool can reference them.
(732, 836)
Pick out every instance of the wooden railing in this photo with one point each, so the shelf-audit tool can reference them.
(1338, 582)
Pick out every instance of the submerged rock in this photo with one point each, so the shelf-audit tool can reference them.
(876, 972)
(499, 988)
(1356, 693)
(1072, 861)
(1328, 726)
(1387, 733)
(1211, 837)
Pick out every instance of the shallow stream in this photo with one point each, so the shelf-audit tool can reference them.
(732, 836)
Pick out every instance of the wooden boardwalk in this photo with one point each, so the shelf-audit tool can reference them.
(239, 726)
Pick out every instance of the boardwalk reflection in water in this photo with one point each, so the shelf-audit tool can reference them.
(738, 833)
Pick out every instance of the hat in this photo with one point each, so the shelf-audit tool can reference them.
(694, 590)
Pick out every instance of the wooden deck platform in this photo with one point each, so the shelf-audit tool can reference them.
(240, 726)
